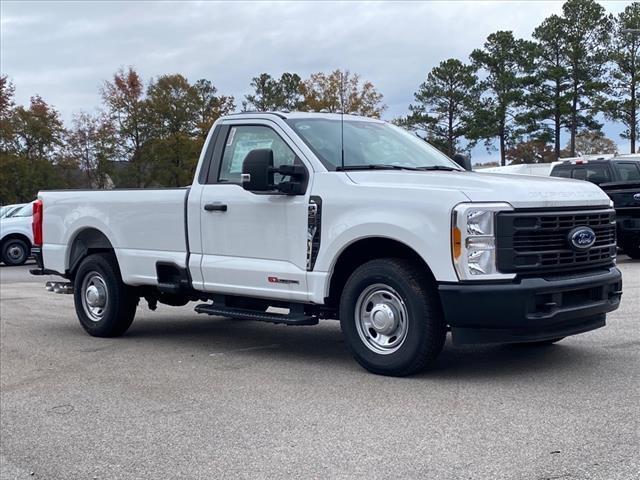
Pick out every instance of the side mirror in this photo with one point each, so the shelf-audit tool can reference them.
(257, 170)
(463, 160)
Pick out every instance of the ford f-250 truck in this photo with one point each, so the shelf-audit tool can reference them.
(341, 217)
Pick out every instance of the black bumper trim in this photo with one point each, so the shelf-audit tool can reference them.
(531, 309)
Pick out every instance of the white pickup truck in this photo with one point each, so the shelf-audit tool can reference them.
(327, 216)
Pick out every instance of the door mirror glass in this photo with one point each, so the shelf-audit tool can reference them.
(463, 160)
(257, 170)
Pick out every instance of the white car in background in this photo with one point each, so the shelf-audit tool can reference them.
(7, 210)
(16, 235)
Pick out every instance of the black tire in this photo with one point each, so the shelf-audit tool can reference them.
(15, 252)
(101, 271)
(424, 333)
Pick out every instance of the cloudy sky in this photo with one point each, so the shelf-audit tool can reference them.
(65, 50)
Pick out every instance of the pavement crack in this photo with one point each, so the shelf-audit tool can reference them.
(247, 349)
(61, 409)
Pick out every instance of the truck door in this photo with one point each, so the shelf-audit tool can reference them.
(253, 244)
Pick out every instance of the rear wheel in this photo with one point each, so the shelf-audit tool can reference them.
(15, 252)
(104, 305)
(391, 317)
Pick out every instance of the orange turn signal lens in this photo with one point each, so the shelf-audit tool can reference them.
(456, 242)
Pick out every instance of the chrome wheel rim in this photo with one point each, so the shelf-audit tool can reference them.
(15, 252)
(94, 296)
(382, 319)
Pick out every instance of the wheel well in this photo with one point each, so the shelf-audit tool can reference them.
(361, 252)
(19, 236)
(87, 242)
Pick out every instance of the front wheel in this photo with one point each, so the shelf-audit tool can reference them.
(391, 317)
(15, 252)
(104, 305)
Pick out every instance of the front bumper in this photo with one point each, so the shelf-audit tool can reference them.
(530, 309)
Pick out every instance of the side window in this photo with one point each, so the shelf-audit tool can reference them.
(598, 173)
(241, 140)
(579, 173)
(592, 173)
(561, 172)
(629, 171)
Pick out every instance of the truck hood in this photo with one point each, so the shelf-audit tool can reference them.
(521, 191)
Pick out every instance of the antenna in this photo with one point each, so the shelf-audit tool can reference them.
(342, 118)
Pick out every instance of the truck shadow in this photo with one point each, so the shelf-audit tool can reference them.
(324, 346)
(513, 360)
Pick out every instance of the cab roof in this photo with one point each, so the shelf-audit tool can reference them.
(285, 115)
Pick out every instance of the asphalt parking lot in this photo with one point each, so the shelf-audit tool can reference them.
(190, 396)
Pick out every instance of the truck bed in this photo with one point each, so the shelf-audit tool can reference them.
(144, 226)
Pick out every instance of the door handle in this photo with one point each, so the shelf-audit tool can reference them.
(215, 207)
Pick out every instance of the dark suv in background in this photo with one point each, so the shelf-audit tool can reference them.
(619, 177)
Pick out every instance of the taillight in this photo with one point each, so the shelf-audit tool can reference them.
(36, 224)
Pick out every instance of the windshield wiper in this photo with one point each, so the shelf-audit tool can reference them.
(382, 166)
(439, 167)
(375, 166)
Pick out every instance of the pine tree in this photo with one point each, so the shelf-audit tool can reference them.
(506, 64)
(621, 104)
(586, 36)
(442, 105)
(549, 102)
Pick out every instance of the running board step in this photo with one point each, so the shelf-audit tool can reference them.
(174, 288)
(243, 314)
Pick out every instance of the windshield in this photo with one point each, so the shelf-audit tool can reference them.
(24, 211)
(11, 210)
(368, 144)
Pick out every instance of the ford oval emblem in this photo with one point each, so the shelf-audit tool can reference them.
(582, 238)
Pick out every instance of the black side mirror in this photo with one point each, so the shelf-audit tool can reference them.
(257, 170)
(463, 160)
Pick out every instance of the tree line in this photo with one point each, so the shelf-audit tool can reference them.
(523, 96)
(146, 136)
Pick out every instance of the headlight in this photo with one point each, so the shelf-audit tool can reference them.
(473, 241)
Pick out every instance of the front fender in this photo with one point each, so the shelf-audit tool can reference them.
(23, 229)
(427, 235)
